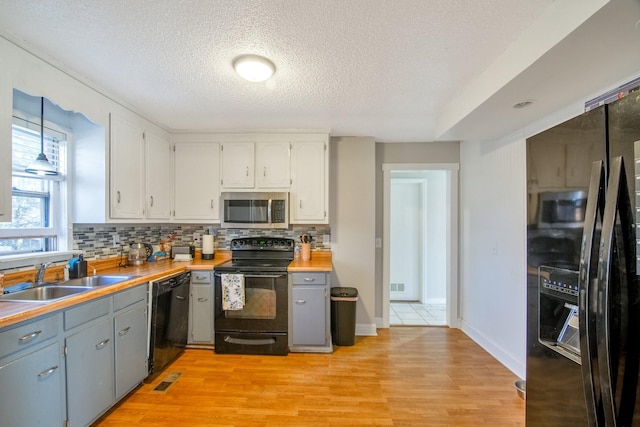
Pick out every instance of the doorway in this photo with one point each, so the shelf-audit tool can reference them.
(420, 244)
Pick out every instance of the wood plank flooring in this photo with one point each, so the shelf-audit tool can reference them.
(406, 376)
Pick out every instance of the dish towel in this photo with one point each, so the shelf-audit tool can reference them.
(232, 291)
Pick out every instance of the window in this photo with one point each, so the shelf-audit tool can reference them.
(38, 202)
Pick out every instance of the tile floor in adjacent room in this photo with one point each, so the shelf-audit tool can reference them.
(413, 313)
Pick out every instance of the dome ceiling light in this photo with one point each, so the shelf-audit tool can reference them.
(254, 68)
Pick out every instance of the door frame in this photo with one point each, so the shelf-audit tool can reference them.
(452, 170)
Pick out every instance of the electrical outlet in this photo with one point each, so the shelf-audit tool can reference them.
(326, 239)
(116, 240)
(196, 237)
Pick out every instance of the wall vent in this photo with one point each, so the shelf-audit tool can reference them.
(397, 287)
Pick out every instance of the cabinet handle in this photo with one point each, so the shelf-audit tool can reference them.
(30, 336)
(124, 331)
(151, 200)
(203, 299)
(47, 372)
(300, 204)
(118, 197)
(247, 172)
(102, 344)
(179, 297)
(309, 279)
(201, 277)
(301, 301)
(211, 203)
(264, 171)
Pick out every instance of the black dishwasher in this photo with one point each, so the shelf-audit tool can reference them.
(169, 322)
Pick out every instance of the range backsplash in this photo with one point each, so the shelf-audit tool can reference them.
(96, 241)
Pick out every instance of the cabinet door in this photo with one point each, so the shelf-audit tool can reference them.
(309, 318)
(90, 373)
(197, 181)
(237, 164)
(127, 169)
(131, 349)
(309, 183)
(201, 322)
(158, 176)
(273, 165)
(32, 392)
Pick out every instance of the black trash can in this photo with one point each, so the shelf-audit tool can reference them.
(343, 315)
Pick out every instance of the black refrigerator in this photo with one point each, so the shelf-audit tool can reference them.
(583, 296)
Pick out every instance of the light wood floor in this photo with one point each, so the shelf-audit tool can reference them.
(406, 376)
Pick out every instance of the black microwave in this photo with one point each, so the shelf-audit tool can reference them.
(254, 210)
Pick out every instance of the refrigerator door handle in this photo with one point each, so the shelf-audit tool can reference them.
(586, 295)
(617, 205)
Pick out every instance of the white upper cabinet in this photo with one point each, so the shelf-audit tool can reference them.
(140, 171)
(197, 181)
(237, 165)
(158, 176)
(127, 169)
(309, 197)
(272, 164)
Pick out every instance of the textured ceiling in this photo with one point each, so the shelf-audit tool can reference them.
(381, 68)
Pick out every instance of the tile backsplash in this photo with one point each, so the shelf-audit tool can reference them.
(96, 241)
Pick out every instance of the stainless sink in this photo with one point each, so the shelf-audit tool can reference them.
(95, 281)
(46, 293)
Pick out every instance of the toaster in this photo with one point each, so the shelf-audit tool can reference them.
(183, 249)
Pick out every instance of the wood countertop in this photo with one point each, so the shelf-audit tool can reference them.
(16, 312)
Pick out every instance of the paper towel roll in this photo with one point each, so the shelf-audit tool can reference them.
(207, 246)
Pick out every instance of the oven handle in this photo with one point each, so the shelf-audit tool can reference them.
(259, 276)
(244, 341)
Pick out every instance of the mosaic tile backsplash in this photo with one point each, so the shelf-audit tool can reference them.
(96, 241)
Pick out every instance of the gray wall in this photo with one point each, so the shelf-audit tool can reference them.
(416, 152)
(352, 207)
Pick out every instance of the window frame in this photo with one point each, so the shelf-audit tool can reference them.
(57, 231)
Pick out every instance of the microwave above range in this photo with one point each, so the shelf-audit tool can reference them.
(254, 210)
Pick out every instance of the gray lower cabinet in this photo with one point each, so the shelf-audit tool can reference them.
(309, 321)
(90, 373)
(131, 360)
(73, 365)
(201, 309)
(35, 378)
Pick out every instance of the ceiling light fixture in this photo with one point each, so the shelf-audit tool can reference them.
(41, 165)
(254, 68)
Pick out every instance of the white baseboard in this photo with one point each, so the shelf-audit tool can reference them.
(366, 329)
(503, 357)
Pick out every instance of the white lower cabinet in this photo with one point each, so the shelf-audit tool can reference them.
(201, 309)
(309, 318)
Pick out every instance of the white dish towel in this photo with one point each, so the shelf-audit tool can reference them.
(232, 291)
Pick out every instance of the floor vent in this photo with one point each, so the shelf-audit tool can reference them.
(167, 382)
(397, 287)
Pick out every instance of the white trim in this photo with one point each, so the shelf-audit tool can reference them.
(452, 238)
(509, 360)
(366, 330)
(33, 259)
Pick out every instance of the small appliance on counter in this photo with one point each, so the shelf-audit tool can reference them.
(139, 253)
(183, 252)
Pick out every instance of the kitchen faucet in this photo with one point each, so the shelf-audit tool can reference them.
(40, 273)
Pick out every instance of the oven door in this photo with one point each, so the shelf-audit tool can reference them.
(261, 327)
